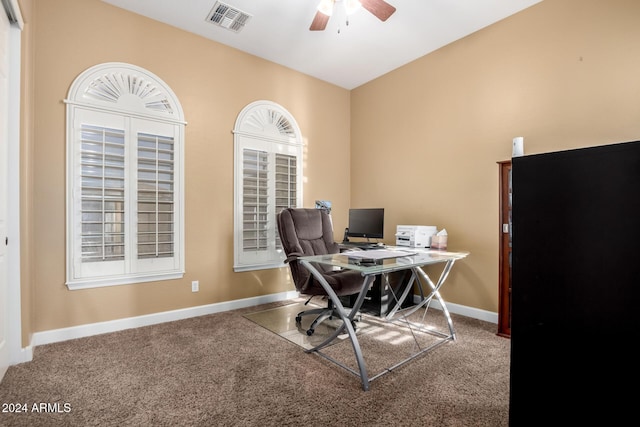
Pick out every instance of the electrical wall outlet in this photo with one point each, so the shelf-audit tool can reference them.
(195, 286)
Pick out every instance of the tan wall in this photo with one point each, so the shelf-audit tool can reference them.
(213, 82)
(426, 137)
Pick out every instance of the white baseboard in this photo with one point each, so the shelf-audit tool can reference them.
(58, 335)
(73, 332)
(25, 355)
(463, 310)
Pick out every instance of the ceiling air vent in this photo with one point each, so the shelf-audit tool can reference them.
(228, 17)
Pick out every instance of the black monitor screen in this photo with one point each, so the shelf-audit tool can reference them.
(367, 223)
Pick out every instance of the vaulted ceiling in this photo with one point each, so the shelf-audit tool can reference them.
(351, 50)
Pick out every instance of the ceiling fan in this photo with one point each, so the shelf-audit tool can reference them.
(379, 8)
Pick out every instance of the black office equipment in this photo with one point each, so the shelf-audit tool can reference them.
(576, 281)
(383, 294)
(367, 223)
(361, 245)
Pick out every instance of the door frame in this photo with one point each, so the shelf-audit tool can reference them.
(14, 337)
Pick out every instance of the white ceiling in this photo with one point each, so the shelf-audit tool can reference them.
(367, 48)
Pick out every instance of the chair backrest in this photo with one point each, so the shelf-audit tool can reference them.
(305, 232)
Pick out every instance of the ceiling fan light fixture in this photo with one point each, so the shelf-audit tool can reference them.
(326, 7)
(351, 6)
(378, 8)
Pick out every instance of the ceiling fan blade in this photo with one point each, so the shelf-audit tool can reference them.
(319, 22)
(379, 8)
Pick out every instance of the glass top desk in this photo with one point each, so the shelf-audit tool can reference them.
(383, 261)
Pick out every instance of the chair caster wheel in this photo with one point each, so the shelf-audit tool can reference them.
(310, 332)
(298, 319)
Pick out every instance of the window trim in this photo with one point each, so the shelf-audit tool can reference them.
(263, 125)
(141, 101)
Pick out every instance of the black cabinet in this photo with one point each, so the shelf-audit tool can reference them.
(575, 286)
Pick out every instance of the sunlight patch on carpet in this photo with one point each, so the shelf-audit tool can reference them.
(383, 343)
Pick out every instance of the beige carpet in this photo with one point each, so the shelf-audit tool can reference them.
(383, 344)
(225, 370)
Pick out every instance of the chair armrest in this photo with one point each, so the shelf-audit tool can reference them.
(293, 256)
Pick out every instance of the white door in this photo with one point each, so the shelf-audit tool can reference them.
(4, 111)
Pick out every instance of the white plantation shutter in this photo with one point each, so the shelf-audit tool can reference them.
(155, 196)
(255, 200)
(102, 193)
(268, 153)
(286, 185)
(125, 216)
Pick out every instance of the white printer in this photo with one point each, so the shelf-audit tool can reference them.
(415, 236)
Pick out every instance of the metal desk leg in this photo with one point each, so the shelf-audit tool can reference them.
(420, 275)
(405, 294)
(346, 322)
(435, 291)
(402, 315)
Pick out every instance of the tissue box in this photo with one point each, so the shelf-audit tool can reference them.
(438, 242)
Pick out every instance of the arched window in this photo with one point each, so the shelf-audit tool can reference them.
(268, 178)
(125, 213)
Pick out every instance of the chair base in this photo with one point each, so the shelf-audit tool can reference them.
(322, 315)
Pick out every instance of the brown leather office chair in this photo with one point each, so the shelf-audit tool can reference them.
(305, 232)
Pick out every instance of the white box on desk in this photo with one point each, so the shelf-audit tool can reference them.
(415, 236)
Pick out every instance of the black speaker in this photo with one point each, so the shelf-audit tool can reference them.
(345, 239)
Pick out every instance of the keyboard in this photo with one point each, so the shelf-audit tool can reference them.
(362, 245)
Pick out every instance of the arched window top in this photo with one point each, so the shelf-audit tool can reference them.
(268, 177)
(125, 175)
(267, 119)
(116, 86)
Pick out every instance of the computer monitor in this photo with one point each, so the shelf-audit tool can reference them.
(367, 223)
